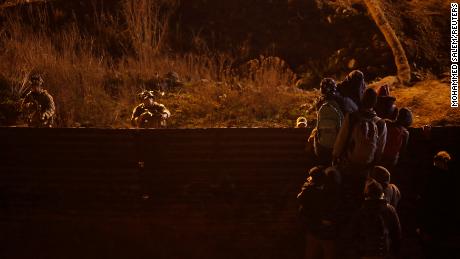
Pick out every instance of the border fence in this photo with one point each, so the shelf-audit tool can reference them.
(168, 193)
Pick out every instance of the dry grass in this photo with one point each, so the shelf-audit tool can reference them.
(91, 88)
(430, 103)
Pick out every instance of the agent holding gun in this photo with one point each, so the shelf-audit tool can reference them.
(150, 114)
(38, 106)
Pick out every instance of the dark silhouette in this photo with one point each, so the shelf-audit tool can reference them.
(318, 202)
(439, 212)
(386, 107)
(362, 137)
(375, 227)
(353, 86)
(391, 192)
(397, 138)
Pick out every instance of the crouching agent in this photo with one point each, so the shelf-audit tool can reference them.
(38, 106)
(150, 114)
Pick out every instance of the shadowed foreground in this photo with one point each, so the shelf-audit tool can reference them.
(201, 193)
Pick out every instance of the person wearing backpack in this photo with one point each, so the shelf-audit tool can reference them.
(376, 229)
(353, 86)
(386, 107)
(329, 121)
(397, 138)
(391, 192)
(331, 108)
(361, 140)
(318, 200)
(329, 91)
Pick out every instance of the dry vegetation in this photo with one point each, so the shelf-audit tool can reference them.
(430, 103)
(92, 87)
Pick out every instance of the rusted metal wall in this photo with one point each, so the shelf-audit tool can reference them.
(195, 193)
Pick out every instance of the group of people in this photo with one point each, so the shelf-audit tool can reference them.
(357, 124)
(348, 203)
(38, 108)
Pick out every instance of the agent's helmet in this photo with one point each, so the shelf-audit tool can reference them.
(328, 86)
(145, 95)
(36, 79)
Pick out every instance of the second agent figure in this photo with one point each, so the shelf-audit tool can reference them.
(150, 114)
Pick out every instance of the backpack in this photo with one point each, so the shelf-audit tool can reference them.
(374, 234)
(395, 138)
(363, 140)
(330, 119)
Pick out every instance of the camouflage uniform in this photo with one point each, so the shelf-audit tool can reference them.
(38, 106)
(149, 115)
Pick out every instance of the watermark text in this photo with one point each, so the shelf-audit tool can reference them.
(454, 55)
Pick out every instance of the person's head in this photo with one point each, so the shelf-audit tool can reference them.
(148, 97)
(301, 122)
(369, 99)
(386, 107)
(333, 176)
(328, 86)
(441, 160)
(36, 81)
(317, 176)
(373, 190)
(384, 90)
(404, 117)
(381, 175)
(353, 86)
(356, 78)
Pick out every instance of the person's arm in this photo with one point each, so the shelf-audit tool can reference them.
(25, 103)
(137, 111)
(301, 194)
(349, 105)
(395, 230)
(342, 138)
(405, 142)
(166, 113)
(303, 199)
(50, 109)
(382, 127)
(396, 195)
